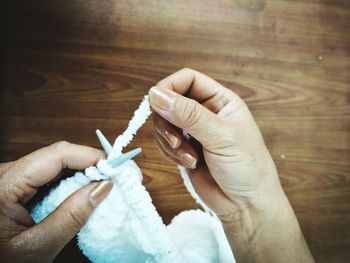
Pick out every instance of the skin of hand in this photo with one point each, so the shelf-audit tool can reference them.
(21, 240)
(229, 165)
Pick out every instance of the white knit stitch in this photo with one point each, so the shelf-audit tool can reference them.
(126, 227)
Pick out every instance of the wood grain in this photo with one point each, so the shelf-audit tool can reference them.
(69, 67)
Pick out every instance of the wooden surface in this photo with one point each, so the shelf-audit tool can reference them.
(69, 67)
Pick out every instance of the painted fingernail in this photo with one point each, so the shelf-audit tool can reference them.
(100, 192)
(188, 160)
(171, 139)
(160, 98)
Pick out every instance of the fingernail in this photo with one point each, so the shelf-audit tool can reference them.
(100, 192)
(188, 160)
(161, 98)
(171, 139)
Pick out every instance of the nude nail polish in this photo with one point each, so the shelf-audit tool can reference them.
(160, 98)
(188, 160)
(100, 192)
(171, 139)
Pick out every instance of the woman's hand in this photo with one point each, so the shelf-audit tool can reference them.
(237, 170)
(232, 170)
(21, 240)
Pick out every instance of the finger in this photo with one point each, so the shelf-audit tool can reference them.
(169, 132)
(56, 230)
(199, 87)
(5, 166)
(185, 154)
(167, 156)
(43, 165)
(208, 92)
(162, 126)
(187, 114)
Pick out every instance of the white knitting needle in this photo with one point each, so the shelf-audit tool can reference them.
(124, 157)
(108, 148)
(104, 142)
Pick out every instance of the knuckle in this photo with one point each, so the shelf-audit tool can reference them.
(61, 145)
(229, 139)
(20, 248)
(190, 113)
(236, 101)
(187, 70)
(77, 217)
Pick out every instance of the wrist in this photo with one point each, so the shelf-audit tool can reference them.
(269, 233)
(252, 218)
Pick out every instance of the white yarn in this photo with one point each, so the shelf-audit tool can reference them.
(155, 238)
(126, 227)
(190, 189)
(139, 118)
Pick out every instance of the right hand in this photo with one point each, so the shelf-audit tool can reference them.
(233, 171)
(237, 170)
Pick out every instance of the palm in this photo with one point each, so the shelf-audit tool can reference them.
(227, 173)
(208, 189)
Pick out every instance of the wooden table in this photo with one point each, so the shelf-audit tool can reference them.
(69, 67)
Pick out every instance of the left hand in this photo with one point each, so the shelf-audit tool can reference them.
(21, 240)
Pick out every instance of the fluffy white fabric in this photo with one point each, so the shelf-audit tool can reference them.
(126, 227)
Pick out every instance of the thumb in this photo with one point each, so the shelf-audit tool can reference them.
(56, 230)
(188, 115)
